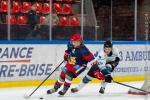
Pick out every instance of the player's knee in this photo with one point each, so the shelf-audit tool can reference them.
(86, 79)
(62, 75)
(106, 69)
(70, 76)
(109, 67)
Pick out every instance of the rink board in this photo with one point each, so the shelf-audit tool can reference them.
(28, 63)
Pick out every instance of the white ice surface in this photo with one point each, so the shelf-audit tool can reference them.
(90, 92)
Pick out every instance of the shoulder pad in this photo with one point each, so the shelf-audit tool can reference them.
(69, 46)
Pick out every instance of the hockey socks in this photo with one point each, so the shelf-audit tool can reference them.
(65, 89)
(56, 87)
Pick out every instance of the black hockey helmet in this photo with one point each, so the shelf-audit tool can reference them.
(108, 44)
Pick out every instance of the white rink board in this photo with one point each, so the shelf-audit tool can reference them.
(42, 58)
(36, 61)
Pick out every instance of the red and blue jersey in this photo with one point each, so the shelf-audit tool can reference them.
(78, 56)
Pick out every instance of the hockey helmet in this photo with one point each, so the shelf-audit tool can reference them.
(76, 37)
(108, 44)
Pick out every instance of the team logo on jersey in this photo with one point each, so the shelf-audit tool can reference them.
(72, 60)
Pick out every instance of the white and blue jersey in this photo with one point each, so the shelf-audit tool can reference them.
(103, 62)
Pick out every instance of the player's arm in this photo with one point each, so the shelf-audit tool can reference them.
(69, 49)
(87, 55)
(117, 58)
(97, 60)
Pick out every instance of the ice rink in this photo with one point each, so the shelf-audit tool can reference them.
(90, 92)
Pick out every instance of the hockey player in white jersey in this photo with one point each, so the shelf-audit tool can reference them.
(101, 67)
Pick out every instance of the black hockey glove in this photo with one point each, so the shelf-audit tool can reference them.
(108, 78)
(117, 59)
(115, 63)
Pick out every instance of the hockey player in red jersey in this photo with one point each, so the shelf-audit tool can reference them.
(76, 56)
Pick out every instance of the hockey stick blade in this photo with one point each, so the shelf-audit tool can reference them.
(132, 87)
(26, 96)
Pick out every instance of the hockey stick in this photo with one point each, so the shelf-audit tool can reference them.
(25, 96)
(132, 87)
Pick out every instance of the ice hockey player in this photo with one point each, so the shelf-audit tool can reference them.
(76, 56)
(101, 67)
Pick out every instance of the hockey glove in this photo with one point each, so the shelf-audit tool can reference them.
(117, 59)
(108, 78)
(98, 75)
(66, 55)
(116, 62)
